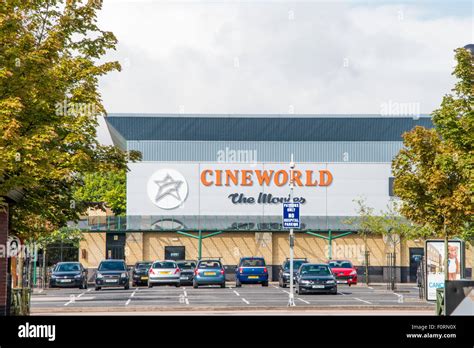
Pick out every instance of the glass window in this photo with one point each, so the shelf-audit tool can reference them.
(210, 264)
(252, 263)
(340, 264)
(187, 265)
(296, 264)
(68, 267)
(164, 264)
(317, 270)
(112, 266)
(143, 265)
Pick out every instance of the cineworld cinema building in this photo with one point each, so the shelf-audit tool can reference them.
(213, 186)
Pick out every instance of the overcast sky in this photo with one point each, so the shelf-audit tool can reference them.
(281, 56)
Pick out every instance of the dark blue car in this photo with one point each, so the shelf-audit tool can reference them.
(251, 270)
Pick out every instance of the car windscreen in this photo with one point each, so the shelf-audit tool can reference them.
(317, 270)
(296, 264)
(186, 265)
(209, 264)
(252, 263)
(68, 267)
(340, 264)
(144, 265)
(112, 266)
(164, 264)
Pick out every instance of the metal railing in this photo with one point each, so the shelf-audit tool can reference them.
(209, 223)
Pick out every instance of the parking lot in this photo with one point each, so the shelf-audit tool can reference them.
(247, 297)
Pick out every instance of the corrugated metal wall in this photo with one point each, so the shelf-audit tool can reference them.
(267, 151)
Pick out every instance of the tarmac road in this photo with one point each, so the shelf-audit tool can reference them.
(271, 300)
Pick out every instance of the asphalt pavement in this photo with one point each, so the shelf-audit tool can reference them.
(248, 298)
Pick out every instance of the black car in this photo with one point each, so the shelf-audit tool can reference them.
(68, 274)
(187, 271)
(112, 273)
(140, 273)
(284, 274)
(313, 277)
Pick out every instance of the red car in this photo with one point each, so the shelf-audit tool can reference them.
(344, 272)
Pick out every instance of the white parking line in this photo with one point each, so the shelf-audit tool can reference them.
(128, 301)
(247, 302)
(287, 292)
(400, 297)
(235, 292)
(80, 295)
(72, 299)
(303, 300)
(358, 299)
(89, 289)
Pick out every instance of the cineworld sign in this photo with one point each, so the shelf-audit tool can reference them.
(196, 188)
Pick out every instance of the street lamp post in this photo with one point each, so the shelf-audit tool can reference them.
(291, 298)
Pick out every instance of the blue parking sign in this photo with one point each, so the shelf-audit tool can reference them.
(291, 215)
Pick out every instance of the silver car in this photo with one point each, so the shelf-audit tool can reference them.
(164, 272)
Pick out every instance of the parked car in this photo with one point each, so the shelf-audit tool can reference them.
(284, 274)
(209, 272)
(312, 277)
(187, 271)
(344, 271)
(112, 273)
(68, 274)
(164, 272)
(251, 270)
(140, 273)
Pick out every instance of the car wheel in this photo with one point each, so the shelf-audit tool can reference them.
(265, 284)
(297, 290)
(349, 284)
(97, 288)
(178, 285)
(134, 284)
(195, 285)
(284, 285)
(238, 284)
(126, 287)
(150, 285)
(85, 285)
(223, 285)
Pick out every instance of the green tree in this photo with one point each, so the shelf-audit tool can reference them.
(108, 188)
(50, 61)
(434, 171)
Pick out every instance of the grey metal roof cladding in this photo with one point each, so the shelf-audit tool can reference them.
(263, 127)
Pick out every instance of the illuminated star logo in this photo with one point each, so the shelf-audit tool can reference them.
(168, 187)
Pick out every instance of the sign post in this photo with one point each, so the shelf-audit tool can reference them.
(291, 220)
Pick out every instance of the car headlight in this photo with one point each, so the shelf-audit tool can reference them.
(329, 281)
(99, 276)
(286, 274)
(77, 276)
(354, 272)
(124, 275)
(53, 276)
(305, 282)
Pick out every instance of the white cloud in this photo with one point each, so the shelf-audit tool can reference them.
(185, 54)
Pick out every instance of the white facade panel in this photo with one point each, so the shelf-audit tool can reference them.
(194, 189)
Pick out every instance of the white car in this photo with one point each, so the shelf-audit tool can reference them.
(164, 272)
